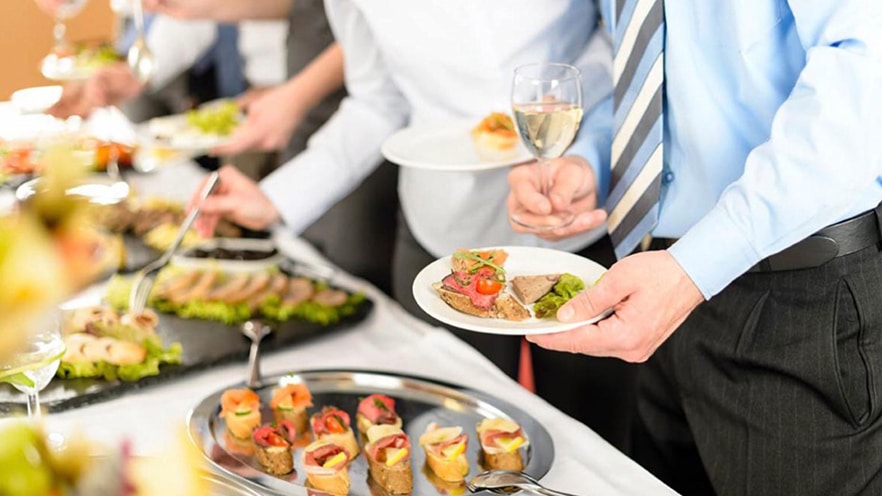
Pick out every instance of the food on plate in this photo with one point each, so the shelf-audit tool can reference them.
(220, 118)
(453, 488)
(495, 137)
(388, 455)
(563, 291)
(376, 409)
(325, 465)
(332, 424)
(501, 442)
(289, 403)
(446, 451)
(139, 217)
(240, 409)
(475, 286)
(274, 444)
(530, 288)
(101, 342)
(162, 236)
(88, 55)
(18, 157)
(234, 297)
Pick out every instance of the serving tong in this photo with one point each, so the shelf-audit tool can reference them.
(146, 277)
(508, 482)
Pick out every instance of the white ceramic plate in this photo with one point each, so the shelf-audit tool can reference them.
(522, 260)
(37, 99)
(445, 146)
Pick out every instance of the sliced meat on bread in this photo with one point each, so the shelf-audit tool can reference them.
(530, 288)
(505, 307)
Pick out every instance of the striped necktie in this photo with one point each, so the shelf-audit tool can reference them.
(637, 154)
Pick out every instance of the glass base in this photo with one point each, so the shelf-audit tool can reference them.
(543, 223)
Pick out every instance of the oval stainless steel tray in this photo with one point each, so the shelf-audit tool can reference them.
(418, 401)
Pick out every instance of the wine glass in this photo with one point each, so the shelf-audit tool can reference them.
(60, 61)
(546, 100)
(34, 364)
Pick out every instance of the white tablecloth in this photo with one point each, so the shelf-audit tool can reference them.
(389, 339)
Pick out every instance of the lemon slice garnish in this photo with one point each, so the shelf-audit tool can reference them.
(452, 452)
(509, 444)
(395, 455)
(339, 457)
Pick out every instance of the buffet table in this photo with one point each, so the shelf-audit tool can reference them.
(388, 340)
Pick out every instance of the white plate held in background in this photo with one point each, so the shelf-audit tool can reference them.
(37, 99)
(447, 147)
(522, 261)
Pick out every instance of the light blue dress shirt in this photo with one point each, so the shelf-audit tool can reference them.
(773, 127)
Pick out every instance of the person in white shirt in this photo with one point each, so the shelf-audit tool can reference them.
(423, 63)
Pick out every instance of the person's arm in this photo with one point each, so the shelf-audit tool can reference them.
(221, 10)
(823, 155)
(347, 148)
(273, 116)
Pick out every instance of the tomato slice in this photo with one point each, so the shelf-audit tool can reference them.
(334, 425)
(274, 439)
(489, 286)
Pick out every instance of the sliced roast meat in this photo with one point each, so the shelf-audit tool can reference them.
(330, 297)
(467, 284)
(299, 290)
(228, 290)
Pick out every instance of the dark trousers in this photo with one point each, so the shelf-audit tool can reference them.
(772, 387)
(599, 392)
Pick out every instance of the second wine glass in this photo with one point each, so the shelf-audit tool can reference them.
(34, 365)
(546, 101)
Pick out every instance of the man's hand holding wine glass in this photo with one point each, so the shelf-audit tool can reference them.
(573, 188)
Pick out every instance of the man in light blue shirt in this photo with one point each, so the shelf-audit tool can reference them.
(772, 138)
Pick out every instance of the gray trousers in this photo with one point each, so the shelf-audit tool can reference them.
(772, 387)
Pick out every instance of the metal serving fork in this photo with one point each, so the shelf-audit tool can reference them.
(146, 277)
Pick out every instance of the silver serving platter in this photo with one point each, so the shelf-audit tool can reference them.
(418, 401)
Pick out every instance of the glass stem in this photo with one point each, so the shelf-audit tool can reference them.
(58, 32)
(34, 404)
(542, 165)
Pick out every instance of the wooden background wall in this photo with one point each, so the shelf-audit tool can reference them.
(26, 36)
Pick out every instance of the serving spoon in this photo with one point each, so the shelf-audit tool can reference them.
(139, 57)
(255, 330)
(509, 481)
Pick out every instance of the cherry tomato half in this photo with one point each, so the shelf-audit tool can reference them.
(334, 425)
(489, 286)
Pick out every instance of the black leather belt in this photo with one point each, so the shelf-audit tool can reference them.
(837, 240)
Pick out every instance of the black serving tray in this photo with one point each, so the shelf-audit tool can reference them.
(205, 343)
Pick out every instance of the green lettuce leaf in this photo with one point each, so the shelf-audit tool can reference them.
(566, 288)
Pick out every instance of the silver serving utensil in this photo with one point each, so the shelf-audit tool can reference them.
(139, 57)
(509, 481)
(254, 330)
(144, 279)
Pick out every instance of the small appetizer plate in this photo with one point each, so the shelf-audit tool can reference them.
(445, 146)
(522, 261)
(174, 133)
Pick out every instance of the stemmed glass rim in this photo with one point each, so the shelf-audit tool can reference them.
(573, 71)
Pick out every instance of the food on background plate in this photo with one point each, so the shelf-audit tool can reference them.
(475, 286)
(240, 409)
(233, 298)
(289, 403)
(495, 137)
(501, 442)
(274, 443)
(204, 127)
(332, 424)
(325, 465)
(388, 455)
(446, 451)
(376, 409)
(140, 217)
(102, 342)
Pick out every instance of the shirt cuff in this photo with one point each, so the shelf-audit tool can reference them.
(714, 252)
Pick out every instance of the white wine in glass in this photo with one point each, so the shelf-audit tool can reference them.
(547, 105)
(31, 368)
